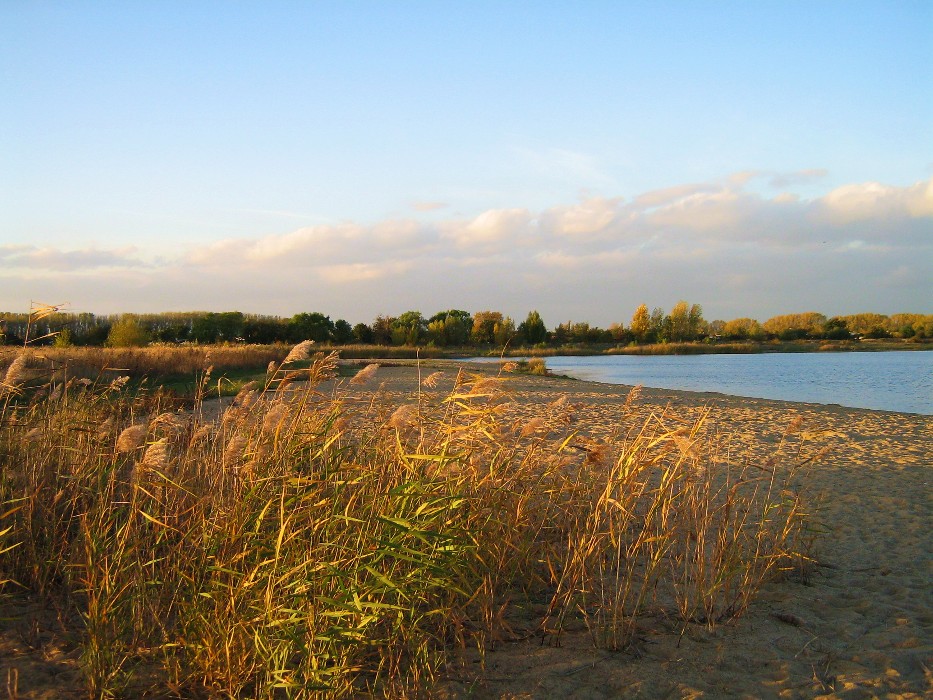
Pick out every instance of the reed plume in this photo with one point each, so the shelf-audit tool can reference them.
(131, 438)
(302, 351)
(364, 375)
(432, 379)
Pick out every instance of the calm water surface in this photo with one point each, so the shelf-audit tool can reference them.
(889, 381)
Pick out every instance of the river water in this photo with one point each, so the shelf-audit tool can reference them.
(890, 381)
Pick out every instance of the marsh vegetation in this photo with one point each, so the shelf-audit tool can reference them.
(317, 539)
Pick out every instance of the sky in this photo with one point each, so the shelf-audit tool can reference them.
(369, 158)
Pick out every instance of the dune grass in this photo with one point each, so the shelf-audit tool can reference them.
(320, 539)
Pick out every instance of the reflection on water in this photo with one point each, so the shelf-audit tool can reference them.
(889, 381)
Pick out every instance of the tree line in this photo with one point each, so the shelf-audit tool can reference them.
(450, 328)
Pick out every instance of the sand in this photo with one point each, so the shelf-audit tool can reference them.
(861, 626)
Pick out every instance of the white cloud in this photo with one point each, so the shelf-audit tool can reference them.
(860, 246)
(588, 217)
(492, 230)
(668, 195)
(429, 206)
(31, 257)
(872, 200)
(358, 272)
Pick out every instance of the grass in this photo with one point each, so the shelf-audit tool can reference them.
(320, 539)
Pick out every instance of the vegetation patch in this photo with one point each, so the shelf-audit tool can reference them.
(320, 539)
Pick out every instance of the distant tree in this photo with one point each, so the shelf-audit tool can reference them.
(620, 334)
(869, 325)
(217, 327)
(641, 324)
(343, 332)
(716, 327)
(504, 331)
(409, 328)
(686, 322)
(580, 333)
(923, 327)
(561, 334)
(172, 333)
(836, 329)
(310, 326)
(532, 330)
(877, 332)
(658, 323)
(264, 330)
(484, 327)
(795, 326)
(230, 325)
(127, 333)
(902, 325)
(63, 339)
(696, 323)
(680, 322)
(363, 334)
(743, 329)
(450, 327)
(382, 330)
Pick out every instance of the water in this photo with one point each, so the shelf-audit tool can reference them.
(889, 381)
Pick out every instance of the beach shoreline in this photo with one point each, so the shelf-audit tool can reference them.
(861, 626)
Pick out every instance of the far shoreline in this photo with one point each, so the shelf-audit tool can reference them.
(528, 382)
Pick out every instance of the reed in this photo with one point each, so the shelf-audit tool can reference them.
(320, 539)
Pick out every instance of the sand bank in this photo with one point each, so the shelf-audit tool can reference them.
(862, 626)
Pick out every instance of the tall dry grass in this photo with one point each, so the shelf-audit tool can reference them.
(152, 361)
(320, 540)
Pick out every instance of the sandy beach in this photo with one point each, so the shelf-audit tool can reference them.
(860, 625)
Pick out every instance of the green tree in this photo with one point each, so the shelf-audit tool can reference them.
(127, 333)
(696, 323)
(836, 329)
(382, 330)
(532, 330)
(657, 330)
(63, 339)
(363, 334)
(264, 330)
(310, 326)
(450, 327)
(409, 328)
(343, 332)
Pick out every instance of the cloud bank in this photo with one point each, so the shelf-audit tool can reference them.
(860, 247)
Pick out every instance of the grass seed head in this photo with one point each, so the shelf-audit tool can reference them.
(533, 426)
(403, 416)
(131, 438)
(234, 450)
(364, 375)
(156, 456)
(16, 372)
(432, 379)
(274, 417)
(302, 351)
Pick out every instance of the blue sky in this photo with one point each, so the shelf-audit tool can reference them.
(364, 158)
